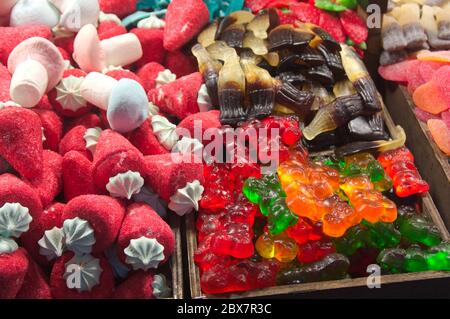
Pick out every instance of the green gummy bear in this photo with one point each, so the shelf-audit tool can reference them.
(418, 229)
(279, 216)
(329, 5)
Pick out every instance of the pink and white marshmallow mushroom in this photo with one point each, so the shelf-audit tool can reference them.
(93, 55)
(37, 66)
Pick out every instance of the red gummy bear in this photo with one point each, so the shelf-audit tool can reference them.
(315, 250)
(219, 187)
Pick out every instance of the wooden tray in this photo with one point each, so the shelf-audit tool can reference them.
(302, 290)
(432, 163)
(175, 265)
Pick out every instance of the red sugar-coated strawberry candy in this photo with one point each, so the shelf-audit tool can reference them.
(5, 83)
(124, 74)
(35, 284)
(137, 286)
(109, 29)
(49, 183)
(165, 174)
(207, 120)
(77, 175)
(152, 45)
(58, 283)
(306, 12)
(180, 64)
(184, 19)
(65, 43)
(88, 120)
(21, 140)
(74, 141)
(146, 141)
(115, 154)
(13, 269)
(148, 74)
(53, 127)
(142, 220)
(104, 214)
(14, 190)
(121, 8)
(178, 98)
(50, 217)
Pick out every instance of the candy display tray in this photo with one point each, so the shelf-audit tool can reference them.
(174, 268)
(303, 290)
(432, 163)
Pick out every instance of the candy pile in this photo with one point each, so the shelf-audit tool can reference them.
(428, 80)
(411, 26)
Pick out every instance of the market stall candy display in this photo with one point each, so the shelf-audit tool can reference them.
(106, 125)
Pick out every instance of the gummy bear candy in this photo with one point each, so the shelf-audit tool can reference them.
(280, 247)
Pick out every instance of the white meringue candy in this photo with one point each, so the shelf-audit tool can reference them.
(7, 245)
(185, 199)
(105, 17)
(203, 99)
(68, 65)
(165, 77)
(40, 12)
(160, 287)
(110, 68)
(68, 93)
(152, 109)
(152, 22)
(8, 104)
(52, 243)
(82, 272)
(79, 235)
(144, 253)
(91, 137)
(14, 220)
(188, 146)
(164, 131)
(125, 185)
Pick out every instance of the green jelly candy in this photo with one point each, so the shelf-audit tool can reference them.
(280, 217)
(392, 260)
(418, 229)
(382, 235)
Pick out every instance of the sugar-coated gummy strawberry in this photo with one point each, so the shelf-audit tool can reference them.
(109, 29)
(53, 126)
(146, 141)
(49, 183)
(184, 19)
(152, 45)
(306, 12)
(114, 154)
(332, 25)
(142, 220)
(398, 71)
(21, 140)
(14, 190)
(88, 120)
(74, 141)
(441, 79)
(58, 284)
(62, 109)
(287, 17)
(180, 64)
(12, 36)
(35, 284)
(104, 214)
(50, 217)
(64, 53)
(5, 83)
(121, 8)
(77, 175)
(13, 269)
(178, 98)
(148, 74)
(354, 26)
(207, 120)
(428, 68)
(441, 134)
(256, 5)
(428, 98)
(65, 43)
(136, 286)
(424, 116)
(124, 74)
(166, 173)
(44, 104)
